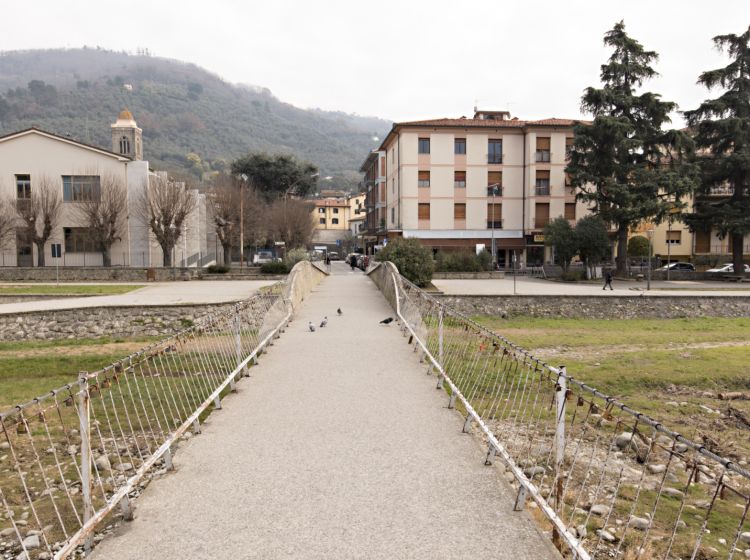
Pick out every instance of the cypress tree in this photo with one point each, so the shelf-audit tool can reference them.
(721, 129)
(623, 164)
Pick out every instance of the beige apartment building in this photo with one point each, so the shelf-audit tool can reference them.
(460, 183)
(332, 217)
(33, 157)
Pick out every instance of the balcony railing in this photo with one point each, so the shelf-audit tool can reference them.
(496, 224)
(494, 158)
(543, 156)
(721, 190)
(541, 190)
(540, 222)
(495, 191)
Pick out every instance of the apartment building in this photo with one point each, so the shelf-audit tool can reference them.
(332, 217)
(468, 182)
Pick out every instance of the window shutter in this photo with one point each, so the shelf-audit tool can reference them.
(459, 211)
(542, 143)
(542, 175)
(495, 177)
(494, 212)
(570, 211)
(424, 212)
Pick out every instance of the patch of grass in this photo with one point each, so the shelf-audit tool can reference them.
(68, 289)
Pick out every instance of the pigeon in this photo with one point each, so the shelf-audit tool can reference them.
(339, 311)
(324, 322)
(311, 327)
(387, 321)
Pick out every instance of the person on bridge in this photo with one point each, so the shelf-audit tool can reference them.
(608, 280)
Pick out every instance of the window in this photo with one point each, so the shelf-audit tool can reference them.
(495, 183)
(459, 211)
(393, 215)
(495, 151)
(334, 221)
(78, 240)
(541, 215)
(423, 179)
(322, 221)
(459, 179)
(321, 210)
(570, 210)
(124, 145)
(568, 145)
(81, 188)
(494, 216)
(335, 210)
(542, 149)
(542, 183)
(674, 237)
(459, 146)
(393, 186)
(23, 187)
(702, 241)
(424, 145)
(424, 211)
(567, 180)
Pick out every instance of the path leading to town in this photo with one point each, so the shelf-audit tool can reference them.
(338, 446)
(161, 293)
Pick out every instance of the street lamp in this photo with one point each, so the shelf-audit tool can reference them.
(242, 219)
(650, 233)
(495, 188)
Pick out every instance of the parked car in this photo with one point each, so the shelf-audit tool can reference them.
(262, 257)
(727, 268)
(334, 256)
(687, 267)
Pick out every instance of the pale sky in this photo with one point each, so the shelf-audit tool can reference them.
(398, 59)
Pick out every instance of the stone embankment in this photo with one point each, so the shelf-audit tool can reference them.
(98, 322)
(601, 307)
(124, 274)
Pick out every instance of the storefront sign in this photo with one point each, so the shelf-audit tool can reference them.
(538, 238)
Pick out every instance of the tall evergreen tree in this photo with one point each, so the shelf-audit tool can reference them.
(722, 135)
(623, 164)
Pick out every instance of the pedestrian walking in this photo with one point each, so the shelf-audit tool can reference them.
(353, 262)
(608, 280)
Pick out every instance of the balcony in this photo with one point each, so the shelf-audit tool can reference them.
(543, 156)
(541, 190)
(721, 190)
(539, 223)
(496, 224)
(495, 191)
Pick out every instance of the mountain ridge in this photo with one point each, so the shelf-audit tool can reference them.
(193, 121)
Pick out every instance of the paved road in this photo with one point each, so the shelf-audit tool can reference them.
(338, 446)
(161, 293)
(536, 286)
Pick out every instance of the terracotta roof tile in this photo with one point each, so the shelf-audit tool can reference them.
(489, 123)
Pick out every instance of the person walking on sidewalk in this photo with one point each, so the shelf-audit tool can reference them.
(608, 280)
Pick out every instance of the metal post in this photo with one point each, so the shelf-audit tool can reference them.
(514, 272)
(562, 386)
(83, 415)
(168, 464)
(650, 250)
(440, 338)
(493, 228)
(238, 347)
(242, 223)
(669, 246)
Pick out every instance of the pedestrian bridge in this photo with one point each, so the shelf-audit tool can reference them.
(430, 437)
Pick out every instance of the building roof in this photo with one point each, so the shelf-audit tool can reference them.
(66, 139)
(463, 122)
(332, 202)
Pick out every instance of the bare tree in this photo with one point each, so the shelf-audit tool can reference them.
(164, 205)
(291, 221)
(104, 214)
(255, 217)
(40, 214)
(8, 222)
(224, 204)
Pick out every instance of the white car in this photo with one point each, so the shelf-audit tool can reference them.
(727, 268)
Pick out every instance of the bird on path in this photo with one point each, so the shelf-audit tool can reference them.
(311, 327)
(339, 311)
(387, 321)
(324, 322)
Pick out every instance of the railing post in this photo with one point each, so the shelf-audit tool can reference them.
(83, 415)
(440, 338)
(238, 346)
(562, 390)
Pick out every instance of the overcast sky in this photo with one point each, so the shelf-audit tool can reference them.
(398, 59)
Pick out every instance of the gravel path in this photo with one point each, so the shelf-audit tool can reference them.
(338, 446)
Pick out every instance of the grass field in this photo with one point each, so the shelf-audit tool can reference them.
(67, 289)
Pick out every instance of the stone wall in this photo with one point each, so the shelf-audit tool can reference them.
(98, 322)
(124, 274)
(468, 275)
(601, 307)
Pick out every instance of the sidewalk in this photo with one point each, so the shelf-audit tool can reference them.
(338, 446)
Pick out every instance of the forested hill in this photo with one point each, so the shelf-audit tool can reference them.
(191, 119)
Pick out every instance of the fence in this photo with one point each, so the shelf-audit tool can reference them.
(73, 459)
(608, 481)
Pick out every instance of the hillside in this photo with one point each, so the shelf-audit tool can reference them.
(191, 119)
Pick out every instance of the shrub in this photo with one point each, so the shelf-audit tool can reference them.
(457, 261)
(274, 267)
(638, 246)
(414, 261)
(485, 260)
(294, 256)
(217, 269)
(572, 276)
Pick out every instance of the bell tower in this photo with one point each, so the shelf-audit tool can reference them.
(127, 137)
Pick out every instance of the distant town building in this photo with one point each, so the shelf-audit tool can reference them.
(333, 219)
(33, 156)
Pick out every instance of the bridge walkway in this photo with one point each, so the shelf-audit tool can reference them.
(338, 446)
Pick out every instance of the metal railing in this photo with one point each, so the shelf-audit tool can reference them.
(72, 460)
(609, 481)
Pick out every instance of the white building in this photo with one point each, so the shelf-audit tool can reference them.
(32, 157)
